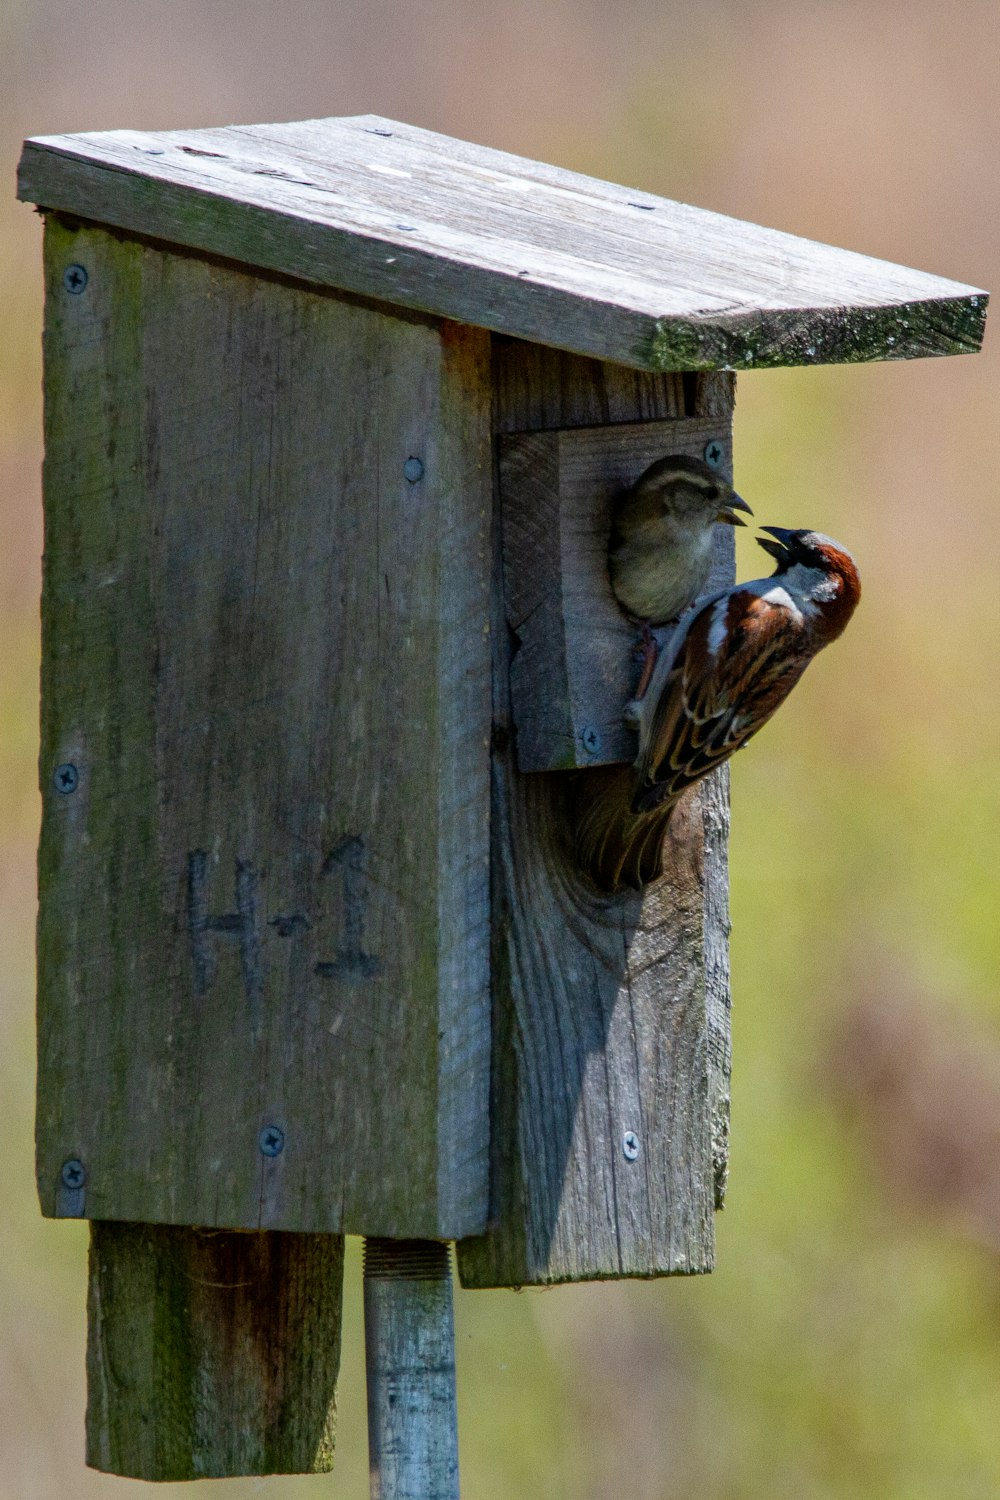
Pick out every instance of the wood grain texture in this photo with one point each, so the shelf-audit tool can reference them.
(536, 387)
(211, 1353)
(610, 1013)
(266, 651)
(493, 240)
(574, 670)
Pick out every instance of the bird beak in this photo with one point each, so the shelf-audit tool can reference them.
(728, 512)
(779, 548)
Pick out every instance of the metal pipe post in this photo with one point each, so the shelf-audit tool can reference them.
(410, 1356)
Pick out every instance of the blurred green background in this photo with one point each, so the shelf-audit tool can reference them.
(849, 1343)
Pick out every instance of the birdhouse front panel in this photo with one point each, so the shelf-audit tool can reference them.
(575, 667)
(263, 940)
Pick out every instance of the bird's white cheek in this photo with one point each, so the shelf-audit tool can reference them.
(829, 588)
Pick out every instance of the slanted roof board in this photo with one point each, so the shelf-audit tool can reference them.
(465, 232)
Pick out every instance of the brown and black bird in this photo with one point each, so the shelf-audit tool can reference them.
(728, 666)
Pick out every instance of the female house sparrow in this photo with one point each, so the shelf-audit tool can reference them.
(660, 550)
(729, 665)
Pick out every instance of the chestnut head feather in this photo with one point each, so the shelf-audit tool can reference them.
(820, 574)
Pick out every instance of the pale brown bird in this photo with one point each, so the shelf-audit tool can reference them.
(660, 551)
(727, 668)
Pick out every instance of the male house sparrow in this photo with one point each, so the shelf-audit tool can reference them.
(728, 666)
(660, 551)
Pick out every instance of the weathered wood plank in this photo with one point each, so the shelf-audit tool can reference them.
(535, 385)
(265, 904)
(420, 220)
(210, 1353)
(574, 670)
(610, 1013)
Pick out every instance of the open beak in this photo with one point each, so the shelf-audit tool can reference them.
(732, 505)
(780, 547)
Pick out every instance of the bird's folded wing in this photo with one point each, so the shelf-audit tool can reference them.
(736, 662)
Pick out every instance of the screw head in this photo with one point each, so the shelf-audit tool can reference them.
(714, 453)
(66, 779)
(590, 739)
(75, 279)
(630, 1145)
(73, 1173)
(271, 1140)
(413, 470)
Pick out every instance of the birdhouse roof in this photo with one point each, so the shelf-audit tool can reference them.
(421, 220)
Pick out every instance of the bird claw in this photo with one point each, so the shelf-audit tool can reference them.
(646, 652)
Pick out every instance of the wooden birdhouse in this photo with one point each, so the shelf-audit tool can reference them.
(334, 416)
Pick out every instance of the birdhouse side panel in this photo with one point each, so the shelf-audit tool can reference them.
(266, 658)
(611, 1013)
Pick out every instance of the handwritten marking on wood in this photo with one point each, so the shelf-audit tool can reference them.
(241, 925)
(264, 646)
(352, 964)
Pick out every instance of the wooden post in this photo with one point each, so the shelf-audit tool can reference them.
(410, 1357)
(212, 1353)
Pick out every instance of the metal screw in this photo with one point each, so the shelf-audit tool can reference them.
(271, 1141)
(590, 739)
(630, 1145)
(66, 779)
(413, 470)
(75, 279)
(713, 453)
(74, 1173)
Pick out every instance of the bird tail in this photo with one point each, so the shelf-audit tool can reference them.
(615, 846)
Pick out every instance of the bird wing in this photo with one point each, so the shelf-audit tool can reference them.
(739, 659)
